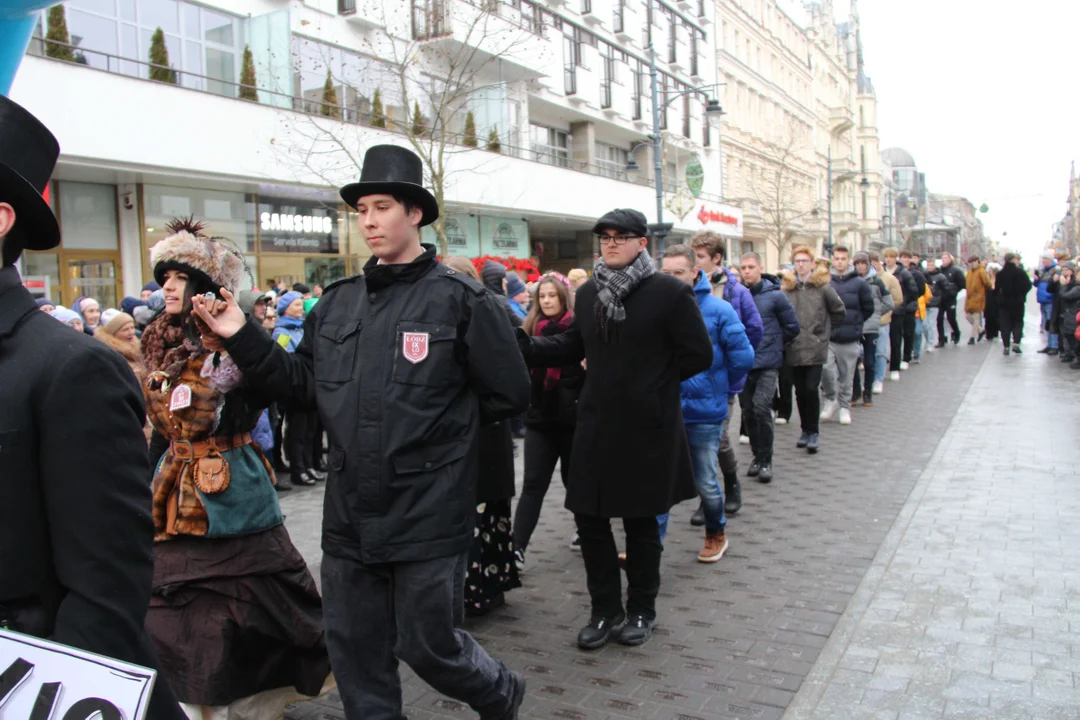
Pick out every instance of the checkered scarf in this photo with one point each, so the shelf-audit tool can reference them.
(614, 285)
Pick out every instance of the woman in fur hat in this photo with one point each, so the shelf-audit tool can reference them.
(117, 330)
(235, 611)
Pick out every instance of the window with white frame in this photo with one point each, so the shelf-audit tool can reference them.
(205, 46)
(612, 160)
(549, 145)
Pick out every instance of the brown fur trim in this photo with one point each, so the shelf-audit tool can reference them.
(220, 263)
(130, 350)
(819, 277)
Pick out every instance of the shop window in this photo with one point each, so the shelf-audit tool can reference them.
(88, 216)
(229, 214)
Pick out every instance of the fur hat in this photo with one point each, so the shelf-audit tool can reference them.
(113, 320)
(207, 259)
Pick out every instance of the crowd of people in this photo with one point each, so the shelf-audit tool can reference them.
(148, 526)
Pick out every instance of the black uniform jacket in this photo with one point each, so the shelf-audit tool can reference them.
(404, 364)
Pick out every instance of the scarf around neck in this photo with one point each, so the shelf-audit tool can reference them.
(614, 285)
(547, 327)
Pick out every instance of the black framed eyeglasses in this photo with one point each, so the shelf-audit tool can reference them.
(617, 239)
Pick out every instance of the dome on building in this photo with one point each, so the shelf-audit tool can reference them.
(897, 158)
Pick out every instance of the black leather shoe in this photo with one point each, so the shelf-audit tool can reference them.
(765, 475)
(971, 341)
(283, 484)
(596, 634)
(803, 440)
(754, 469)
(732, 496)
(1044, 351)
(698, 518)
(812, 443)
(636, 631)
(303, 479)
(1052, 352)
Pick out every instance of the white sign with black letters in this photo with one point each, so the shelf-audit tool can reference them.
(43, 680)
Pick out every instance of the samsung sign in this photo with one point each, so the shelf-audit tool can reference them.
(296, 223)
(295, 226)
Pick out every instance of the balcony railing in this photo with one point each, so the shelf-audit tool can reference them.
(138, 71)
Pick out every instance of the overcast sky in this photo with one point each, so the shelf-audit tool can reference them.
(983, 96)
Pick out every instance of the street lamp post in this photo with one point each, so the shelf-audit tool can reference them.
(660, 229)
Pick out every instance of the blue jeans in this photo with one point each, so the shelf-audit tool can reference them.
(1047, 310)
(704, 439)
(917, 349)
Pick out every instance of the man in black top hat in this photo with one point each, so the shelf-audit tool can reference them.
(404, 363)
(76, 535)
(642, 334)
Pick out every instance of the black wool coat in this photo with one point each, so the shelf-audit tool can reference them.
(1011, 287)
(76, 533)
(630, 455)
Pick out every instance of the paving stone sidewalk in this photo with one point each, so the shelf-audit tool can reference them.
(733, 640)
(972, 606)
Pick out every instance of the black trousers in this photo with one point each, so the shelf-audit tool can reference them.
(950, 312)
(756, 403)
(276, 417)
(807, 380)
(301, 425)
(543, 448)
(316, 432)
(782, 403)
(901, 339)
(602, 572)
(869, 352)
(1011, 322)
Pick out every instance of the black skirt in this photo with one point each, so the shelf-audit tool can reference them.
(492, 570)
(231, 617)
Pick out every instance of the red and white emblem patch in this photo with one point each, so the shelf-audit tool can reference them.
(414, 346)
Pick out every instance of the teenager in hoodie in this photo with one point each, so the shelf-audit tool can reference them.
(780, 325)
(705, 395)
(710, 250)
(871, 333)
(846, 336)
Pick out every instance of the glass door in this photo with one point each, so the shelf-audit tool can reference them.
(94, 276)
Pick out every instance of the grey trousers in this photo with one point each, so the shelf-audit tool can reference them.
(843, 359)
(729, 464)
(378, 614)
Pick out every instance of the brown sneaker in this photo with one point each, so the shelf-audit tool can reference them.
(716, 545)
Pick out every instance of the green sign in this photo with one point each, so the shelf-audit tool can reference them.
(695, 176)
(504, 236)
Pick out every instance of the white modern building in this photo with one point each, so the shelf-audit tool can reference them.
(558, 93)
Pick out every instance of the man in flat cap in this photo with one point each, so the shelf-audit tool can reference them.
(641, 333)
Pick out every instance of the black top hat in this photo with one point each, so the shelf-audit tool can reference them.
(393, 170)
(28, 153)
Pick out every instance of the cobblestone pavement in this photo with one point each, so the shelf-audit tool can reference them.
(972, 606)
(737, 639)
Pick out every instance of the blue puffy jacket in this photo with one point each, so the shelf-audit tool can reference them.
(1042, 292)
(705, 395)
(729, 288)
(778, 320)
(288, 332)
